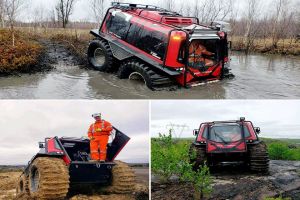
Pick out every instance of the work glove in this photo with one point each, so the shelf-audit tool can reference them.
(92, 138)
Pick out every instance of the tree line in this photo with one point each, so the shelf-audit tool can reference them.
(279, 19)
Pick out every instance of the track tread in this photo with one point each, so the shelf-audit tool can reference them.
(54, 179)
(258, 158)
(123, 181)
(200, 156)
(155, 81)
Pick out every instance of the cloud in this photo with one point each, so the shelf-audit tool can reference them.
(276, 118)
(24, 123)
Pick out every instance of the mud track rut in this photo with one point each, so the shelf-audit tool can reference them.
(53, 179)
(123, 181)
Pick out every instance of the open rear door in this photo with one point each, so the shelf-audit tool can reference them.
(114, 148)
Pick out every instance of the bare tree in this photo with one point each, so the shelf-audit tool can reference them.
(98, 8)
(169, 5)
(12, 11)
(252, 10)
(2, 13)
(64, 9)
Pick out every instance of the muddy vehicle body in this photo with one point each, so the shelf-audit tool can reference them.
(65, 162)
(233, 142)
(154, 45)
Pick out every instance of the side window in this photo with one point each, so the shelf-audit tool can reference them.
(159, 44)
(57, 145)
(151, 42)
(205, 132)
(246, 131)
(118, 25)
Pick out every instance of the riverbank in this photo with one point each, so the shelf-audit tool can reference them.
(264, 46)
(26, 56)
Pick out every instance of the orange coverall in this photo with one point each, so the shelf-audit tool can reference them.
(99, 134)
(196, 50)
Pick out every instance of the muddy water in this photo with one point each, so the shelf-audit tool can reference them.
(257, 76)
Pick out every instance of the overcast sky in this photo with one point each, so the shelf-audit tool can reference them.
(24, 123)
(276, 119)
(82, 11)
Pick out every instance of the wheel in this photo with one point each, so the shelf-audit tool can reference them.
(136, 70)
(197, 156)
(100, 56)
(22, 186)
(48, 179)
(259, 158)
(123, 179)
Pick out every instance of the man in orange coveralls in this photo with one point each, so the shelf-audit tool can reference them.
(99, 134)
(197, 53)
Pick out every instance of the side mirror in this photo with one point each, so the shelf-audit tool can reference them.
(257, 130)
(195, 132)
(41, 145)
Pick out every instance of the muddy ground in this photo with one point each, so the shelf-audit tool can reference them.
(8, 183)
(236, 184)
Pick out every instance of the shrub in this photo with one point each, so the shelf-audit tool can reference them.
(24, 54)
(281, 151)
(171, 157)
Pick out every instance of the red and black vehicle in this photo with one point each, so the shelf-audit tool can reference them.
(158, 46)
(65, 162)
(229, 142)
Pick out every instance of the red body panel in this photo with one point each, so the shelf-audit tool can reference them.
(175, 37)
(52, 149)
(215, 147)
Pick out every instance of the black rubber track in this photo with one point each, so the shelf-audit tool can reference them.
(53, 182)
(109, 64)
(154, 80)
(259, 158)
(197, 156)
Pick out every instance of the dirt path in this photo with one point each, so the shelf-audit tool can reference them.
(8, 183)
(284, 179)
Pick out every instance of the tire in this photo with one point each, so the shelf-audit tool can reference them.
(100, 56)
(48, 179)
(22, 189)
(123, 179)
(134, 69)
(199, 158)
(259, 158)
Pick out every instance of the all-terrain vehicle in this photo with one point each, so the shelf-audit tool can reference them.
(64, 162)
(160, 47)
(229, 142)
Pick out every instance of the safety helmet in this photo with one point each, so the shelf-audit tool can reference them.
(96, 115)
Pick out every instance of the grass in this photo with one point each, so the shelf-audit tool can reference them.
(21, 57)
(285, 46)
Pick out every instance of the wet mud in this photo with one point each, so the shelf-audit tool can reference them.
(237, 184)
(140, 190)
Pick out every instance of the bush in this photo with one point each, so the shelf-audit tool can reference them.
(171, 157)
(281, 151)
(24, 54)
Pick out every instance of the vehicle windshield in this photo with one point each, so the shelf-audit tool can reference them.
(225, 133)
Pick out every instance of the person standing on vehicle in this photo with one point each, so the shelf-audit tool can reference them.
(99, 133)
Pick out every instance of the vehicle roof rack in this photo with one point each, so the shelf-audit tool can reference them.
(131, 6)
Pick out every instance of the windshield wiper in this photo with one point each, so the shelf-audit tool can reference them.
(217, 134)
